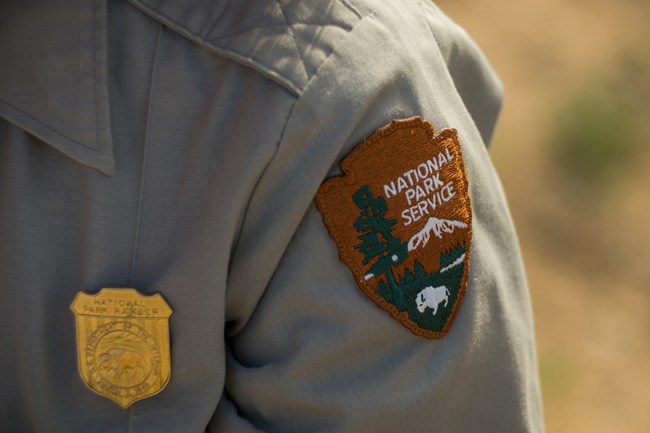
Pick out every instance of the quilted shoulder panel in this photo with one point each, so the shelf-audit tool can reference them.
(286, 40)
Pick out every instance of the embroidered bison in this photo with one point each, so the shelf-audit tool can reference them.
(431, 297)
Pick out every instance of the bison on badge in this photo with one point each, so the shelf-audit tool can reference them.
(123, 364)
(432, 297)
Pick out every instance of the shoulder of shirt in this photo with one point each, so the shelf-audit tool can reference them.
(286, 41)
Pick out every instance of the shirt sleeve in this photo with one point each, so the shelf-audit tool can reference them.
(306, 349)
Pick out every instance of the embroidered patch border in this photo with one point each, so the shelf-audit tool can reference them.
(404, 182)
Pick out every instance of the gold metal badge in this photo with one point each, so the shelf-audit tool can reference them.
(123, 343)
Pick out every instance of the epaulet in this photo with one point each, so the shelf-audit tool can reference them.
(285, 41)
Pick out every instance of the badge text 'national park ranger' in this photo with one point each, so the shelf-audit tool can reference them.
(402, 220)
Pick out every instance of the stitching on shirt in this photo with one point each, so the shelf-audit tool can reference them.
(445, 56)
(95, 82)
(351, 8)
(329, 55)
(47, 126)
(259, 179)
(144, 158)
(271, 26)
(248, 206)
(238, 56)
(131, 409)
(295, 42)
(220, 50)
(270, 73)
(218, 20)
(302, 23)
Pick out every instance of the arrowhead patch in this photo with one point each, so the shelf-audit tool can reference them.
(402, 220)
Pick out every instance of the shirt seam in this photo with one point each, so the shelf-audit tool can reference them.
(261, 176)
(144, 161)
(290, 84)
(40, 122)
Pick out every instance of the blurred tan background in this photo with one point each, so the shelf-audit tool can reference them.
(572, 148)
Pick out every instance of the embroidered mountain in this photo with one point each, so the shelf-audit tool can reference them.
(437, 226)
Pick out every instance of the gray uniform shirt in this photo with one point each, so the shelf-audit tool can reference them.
(176, 147)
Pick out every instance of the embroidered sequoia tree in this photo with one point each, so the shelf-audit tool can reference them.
(378, 243)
